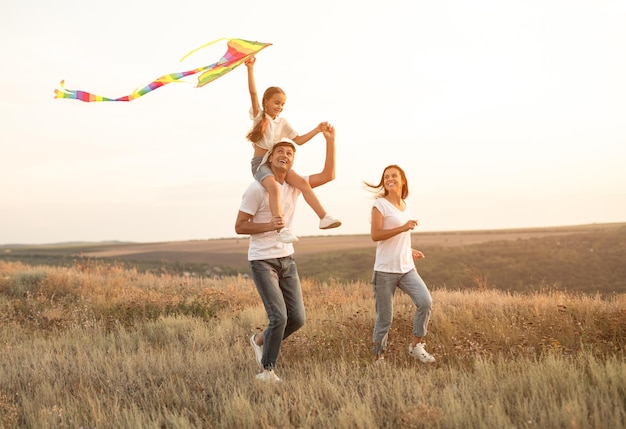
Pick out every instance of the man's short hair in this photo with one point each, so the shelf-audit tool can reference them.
(285, 142)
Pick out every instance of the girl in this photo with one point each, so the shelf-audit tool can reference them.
(268, 129)
(394, 266)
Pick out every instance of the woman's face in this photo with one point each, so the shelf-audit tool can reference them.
(392, 180)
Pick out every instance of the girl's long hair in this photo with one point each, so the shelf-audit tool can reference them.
(380, 190)
(256, 134)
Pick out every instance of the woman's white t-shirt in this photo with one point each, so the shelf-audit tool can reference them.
(394, 255)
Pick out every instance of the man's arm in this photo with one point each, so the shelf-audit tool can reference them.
(328, 173)
(244, 224)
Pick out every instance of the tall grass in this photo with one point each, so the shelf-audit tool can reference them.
(100, 346)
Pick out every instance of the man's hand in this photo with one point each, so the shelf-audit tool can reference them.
(277, 223)
(244, 224)
(329, 131)
(321, 127)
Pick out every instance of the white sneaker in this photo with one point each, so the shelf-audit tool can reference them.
(329, 222)
(258, 351)
(418, 352)
(285, 236)
(268, 375)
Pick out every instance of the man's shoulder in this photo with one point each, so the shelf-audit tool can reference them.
(255, 186)
(254, 191)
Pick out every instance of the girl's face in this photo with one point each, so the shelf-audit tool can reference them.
(275, 105)
(392, 180)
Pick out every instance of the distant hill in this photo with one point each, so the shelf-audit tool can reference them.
(584, 257)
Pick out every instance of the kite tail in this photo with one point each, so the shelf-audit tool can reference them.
(157, 83)
(239, 50)
(79, 95)
(162, 81)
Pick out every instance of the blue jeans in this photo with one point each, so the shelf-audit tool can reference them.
(260, 172)
(278, 284)
(385, 285)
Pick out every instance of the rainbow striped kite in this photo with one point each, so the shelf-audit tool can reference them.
(238, 52)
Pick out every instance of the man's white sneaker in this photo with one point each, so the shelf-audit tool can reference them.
(285, 236)
(258, 351)
(329, 222)
(421, 354)
(268, 375)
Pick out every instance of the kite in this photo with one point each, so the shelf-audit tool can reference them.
(238, 52)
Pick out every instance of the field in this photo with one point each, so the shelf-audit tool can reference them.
(97, 345)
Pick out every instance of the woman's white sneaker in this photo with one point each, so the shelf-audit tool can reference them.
(418, 352)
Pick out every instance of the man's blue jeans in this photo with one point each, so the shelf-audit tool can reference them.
(278, 284)
(384, 285)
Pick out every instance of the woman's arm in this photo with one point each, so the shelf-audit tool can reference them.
(378, 233)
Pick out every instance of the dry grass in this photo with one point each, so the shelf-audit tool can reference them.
(99, 346)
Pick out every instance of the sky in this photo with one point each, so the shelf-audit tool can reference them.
(504, 114)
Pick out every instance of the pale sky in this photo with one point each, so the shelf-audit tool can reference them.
(504, 114)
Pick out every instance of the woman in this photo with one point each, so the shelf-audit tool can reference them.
(394, 266)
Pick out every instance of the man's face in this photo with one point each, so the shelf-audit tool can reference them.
(281, 158)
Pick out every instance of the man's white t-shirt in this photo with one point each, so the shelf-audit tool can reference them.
(394, 255)
(255, 202)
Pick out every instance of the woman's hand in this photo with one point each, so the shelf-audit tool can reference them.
(417, 254)
(410, 225)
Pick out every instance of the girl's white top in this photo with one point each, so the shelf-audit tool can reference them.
(276, 129)
(394, 255)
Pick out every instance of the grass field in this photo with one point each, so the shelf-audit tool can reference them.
(97, 345)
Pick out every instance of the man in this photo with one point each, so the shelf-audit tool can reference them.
(272, 266)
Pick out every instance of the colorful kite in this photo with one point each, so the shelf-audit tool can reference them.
(238, 52)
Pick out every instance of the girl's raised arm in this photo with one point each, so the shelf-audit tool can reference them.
(254, 98)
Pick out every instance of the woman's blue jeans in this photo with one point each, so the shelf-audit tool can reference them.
(384, 285)
(278, 284)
